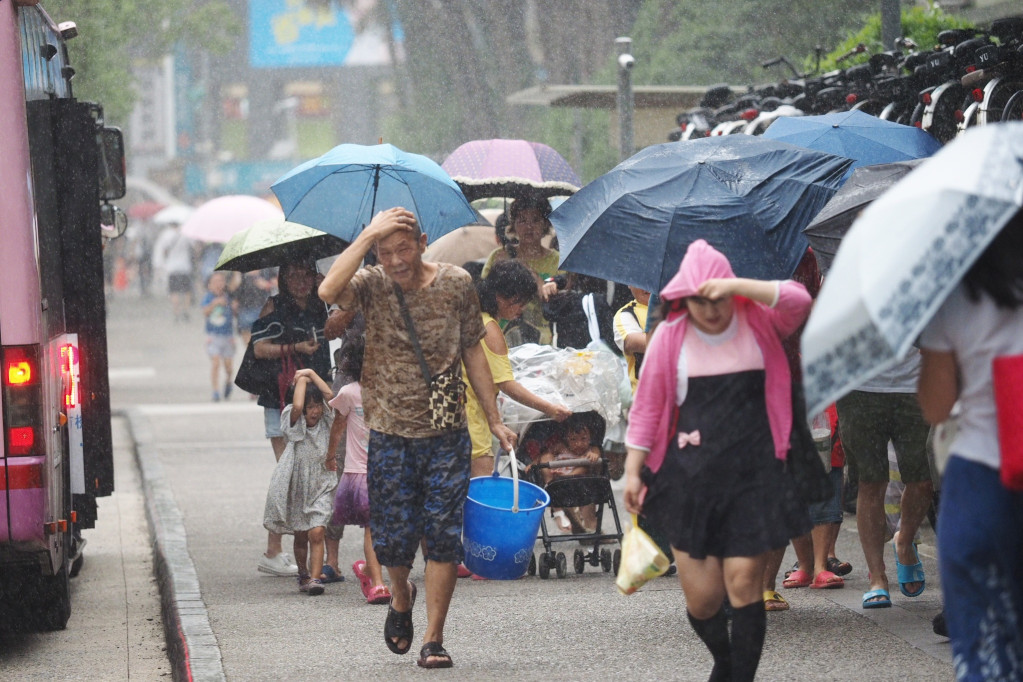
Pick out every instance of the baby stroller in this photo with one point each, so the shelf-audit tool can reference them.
(573, 491)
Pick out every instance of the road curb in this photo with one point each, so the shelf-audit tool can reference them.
(191, 645)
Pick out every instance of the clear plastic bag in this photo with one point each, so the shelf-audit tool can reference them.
(642, 560)
(581, 380)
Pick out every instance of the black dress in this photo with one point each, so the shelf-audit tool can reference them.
(729, 496)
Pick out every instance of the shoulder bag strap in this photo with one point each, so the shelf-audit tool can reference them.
(412, 333)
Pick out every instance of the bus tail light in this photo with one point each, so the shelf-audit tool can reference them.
(23, 393)
(71, 373)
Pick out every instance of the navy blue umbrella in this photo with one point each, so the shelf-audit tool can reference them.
(865, 139)
(750, 198)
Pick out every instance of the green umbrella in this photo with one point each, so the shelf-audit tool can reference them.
(272, 242)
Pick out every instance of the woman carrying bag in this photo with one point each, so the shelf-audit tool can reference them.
(708, 436)
(288, 336)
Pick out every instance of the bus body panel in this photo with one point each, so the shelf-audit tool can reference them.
(52, 319)
(20, 314)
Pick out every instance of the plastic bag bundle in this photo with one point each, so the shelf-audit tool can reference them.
(581, 380)
(642, 560)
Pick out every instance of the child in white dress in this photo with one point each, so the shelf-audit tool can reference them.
(301, 496)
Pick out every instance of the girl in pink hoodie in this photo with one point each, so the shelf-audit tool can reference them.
(708, 435)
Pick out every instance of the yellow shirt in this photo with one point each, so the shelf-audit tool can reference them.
(479, 429)
(630, 319)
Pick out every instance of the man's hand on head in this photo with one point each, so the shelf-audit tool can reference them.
(386, 223)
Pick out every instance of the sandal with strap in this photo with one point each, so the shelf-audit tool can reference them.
(774, 601)
(398, 626)
(435, 651)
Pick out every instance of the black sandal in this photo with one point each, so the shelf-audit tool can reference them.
(434, 650)
(398, 625)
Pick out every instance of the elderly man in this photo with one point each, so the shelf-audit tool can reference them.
(418, 477)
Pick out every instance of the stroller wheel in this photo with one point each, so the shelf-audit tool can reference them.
(562, 565)
(532, 565)
(579, 561)
(605, 560)
(616, 561)
(544, 566)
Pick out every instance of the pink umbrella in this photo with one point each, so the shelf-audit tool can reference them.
(509, 168)
(220, 219)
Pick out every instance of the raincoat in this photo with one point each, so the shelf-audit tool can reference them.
(659, 381)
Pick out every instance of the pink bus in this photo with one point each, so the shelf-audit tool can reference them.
(59, 167)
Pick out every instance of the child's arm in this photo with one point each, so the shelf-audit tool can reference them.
(753, 289)
(214, 302)
(320, 383)
(298, 401)
(593, 454)
(337, 432)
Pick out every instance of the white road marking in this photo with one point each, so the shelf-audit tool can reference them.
(118, 373)
(184, 409)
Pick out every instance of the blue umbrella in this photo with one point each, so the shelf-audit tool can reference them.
(748, 197)
(865, 139)
(339, 192)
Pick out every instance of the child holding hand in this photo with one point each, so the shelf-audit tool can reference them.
(301, 494)
(351, 503)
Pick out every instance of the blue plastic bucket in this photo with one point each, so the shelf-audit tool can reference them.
(498, 541)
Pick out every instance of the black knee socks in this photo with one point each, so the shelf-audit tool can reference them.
(749, 625)
(714, 633)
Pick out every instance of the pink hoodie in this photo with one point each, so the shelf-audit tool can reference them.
(653, 407)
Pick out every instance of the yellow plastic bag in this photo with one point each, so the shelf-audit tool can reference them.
(642, 560)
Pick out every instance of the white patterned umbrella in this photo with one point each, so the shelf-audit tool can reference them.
(902, 257)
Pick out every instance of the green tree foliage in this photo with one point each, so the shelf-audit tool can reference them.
(113, 33)
(921, 24)
(701, 42)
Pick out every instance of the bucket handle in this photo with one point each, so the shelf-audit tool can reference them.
(515, 478)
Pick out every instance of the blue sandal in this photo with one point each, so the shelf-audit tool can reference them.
(883, 603)
(330, 575)
(913, 573)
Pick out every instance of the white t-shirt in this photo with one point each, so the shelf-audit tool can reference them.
(902, 377)
(977, 333)
(173, 251)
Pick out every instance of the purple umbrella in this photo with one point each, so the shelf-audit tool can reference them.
(509, 168)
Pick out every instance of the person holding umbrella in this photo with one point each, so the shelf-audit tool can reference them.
(417, 476)
(529, 223)
(708, 435)
(980, 531)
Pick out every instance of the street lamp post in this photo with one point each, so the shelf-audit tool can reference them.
(626, 61)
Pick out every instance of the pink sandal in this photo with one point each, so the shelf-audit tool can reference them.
(359, 569)
(378, 595)
(797, 578)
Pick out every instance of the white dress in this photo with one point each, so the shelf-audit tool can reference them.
(301, 494)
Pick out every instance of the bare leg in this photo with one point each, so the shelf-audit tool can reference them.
(871, 523)
(401, 595)
(821, 533)
(482, 466)
(315, 536)
(772, 564)
(440, 585)
(273, 540)
(804, 546)
(301, 549)
(373, 568)
(702, 582)
(214, 371)
(742, 579)
(332, 545)
(916, 499)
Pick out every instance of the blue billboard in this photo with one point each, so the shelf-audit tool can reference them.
(289, 33)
